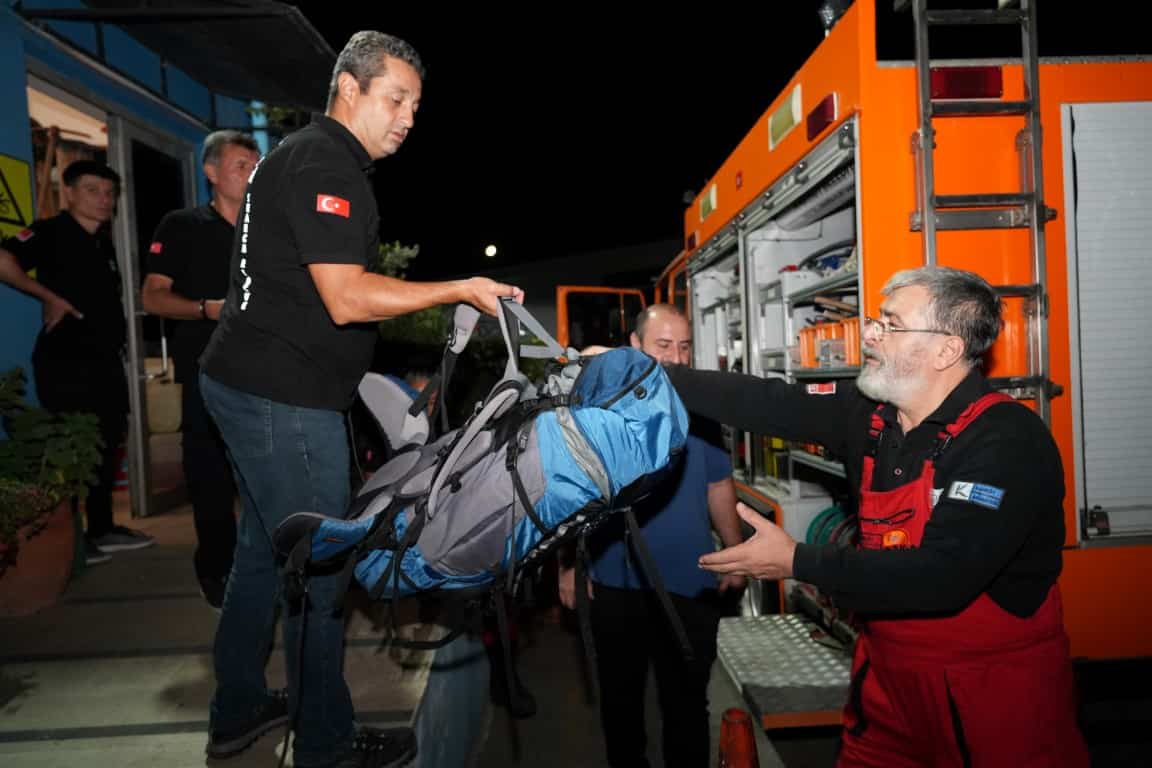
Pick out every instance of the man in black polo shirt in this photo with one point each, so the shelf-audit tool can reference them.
(962, 656)
(295, 337)
(78, 360)
(187, 279)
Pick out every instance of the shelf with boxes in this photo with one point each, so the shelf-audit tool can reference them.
(804, 324)
(806, 288)
(831, 343)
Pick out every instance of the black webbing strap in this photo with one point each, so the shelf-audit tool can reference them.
(652, 576)
(295, 586)
(420, 402)
(505, 643)
(428, 645)
(522, 492)
(584, 616)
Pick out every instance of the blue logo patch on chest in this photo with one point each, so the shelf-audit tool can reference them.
(985, 495)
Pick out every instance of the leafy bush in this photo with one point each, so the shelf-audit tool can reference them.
(428, 326)
(46, 458)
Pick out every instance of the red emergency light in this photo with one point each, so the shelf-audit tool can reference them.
(822, 115)
(983, 82)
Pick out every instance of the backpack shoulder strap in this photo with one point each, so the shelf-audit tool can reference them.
(512, 387)
(512, 313)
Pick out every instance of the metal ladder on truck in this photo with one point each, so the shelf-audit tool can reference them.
(1022, 209)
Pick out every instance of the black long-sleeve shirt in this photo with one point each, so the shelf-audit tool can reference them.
(1012, 552)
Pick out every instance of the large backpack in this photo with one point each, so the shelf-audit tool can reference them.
(528, 470)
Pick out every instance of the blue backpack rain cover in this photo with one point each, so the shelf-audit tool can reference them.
(528, 470)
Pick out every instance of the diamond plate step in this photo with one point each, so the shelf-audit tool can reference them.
(788, 679)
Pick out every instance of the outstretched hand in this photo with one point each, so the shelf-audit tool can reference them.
(485, 294)
(767, 554)
(56, 309)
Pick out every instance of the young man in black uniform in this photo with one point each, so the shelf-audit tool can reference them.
(294, 340)
(187, 279)
(78, 359)
(962, 657)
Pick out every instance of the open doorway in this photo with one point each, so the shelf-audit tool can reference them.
(157, 180)
(62, 132)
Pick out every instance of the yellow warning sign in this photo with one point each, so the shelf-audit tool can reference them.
(16, 210)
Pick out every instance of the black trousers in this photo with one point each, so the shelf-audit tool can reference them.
(630, 629)
(211, 485)
(97, 386)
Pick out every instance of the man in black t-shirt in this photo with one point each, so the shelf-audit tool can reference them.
(186, 282)
(294, 340)
(78, 360)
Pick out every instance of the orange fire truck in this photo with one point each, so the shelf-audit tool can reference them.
(1036, 174)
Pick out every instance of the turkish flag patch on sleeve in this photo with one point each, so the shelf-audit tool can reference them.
(825, 388)
(337, 206)
(25, 235)
(156, 247)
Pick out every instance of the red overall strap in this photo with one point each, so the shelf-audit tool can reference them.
(966, 417)
(875, 431)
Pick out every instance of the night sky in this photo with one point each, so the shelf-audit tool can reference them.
(577, 132)
(567, 128)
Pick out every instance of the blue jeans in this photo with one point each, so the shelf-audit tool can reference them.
(286, 459)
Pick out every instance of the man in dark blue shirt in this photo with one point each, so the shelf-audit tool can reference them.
(629, 627)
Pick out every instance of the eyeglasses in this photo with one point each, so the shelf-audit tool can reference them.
(881, 328)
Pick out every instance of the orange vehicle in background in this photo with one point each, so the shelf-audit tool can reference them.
(594, 314)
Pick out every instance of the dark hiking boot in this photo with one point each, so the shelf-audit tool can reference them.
(273, 713)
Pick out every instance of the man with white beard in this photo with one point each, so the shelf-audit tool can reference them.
(962, 658)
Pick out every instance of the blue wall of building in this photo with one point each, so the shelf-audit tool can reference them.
(79, 33)
(122, 52)
(18, 312)
(188, 94)
(126, 101)
(232, 113)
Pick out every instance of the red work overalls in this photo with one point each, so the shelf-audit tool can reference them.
(980, 688)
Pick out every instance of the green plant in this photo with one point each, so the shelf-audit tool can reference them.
(46, 458)
(428, 326)
(393, 258)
